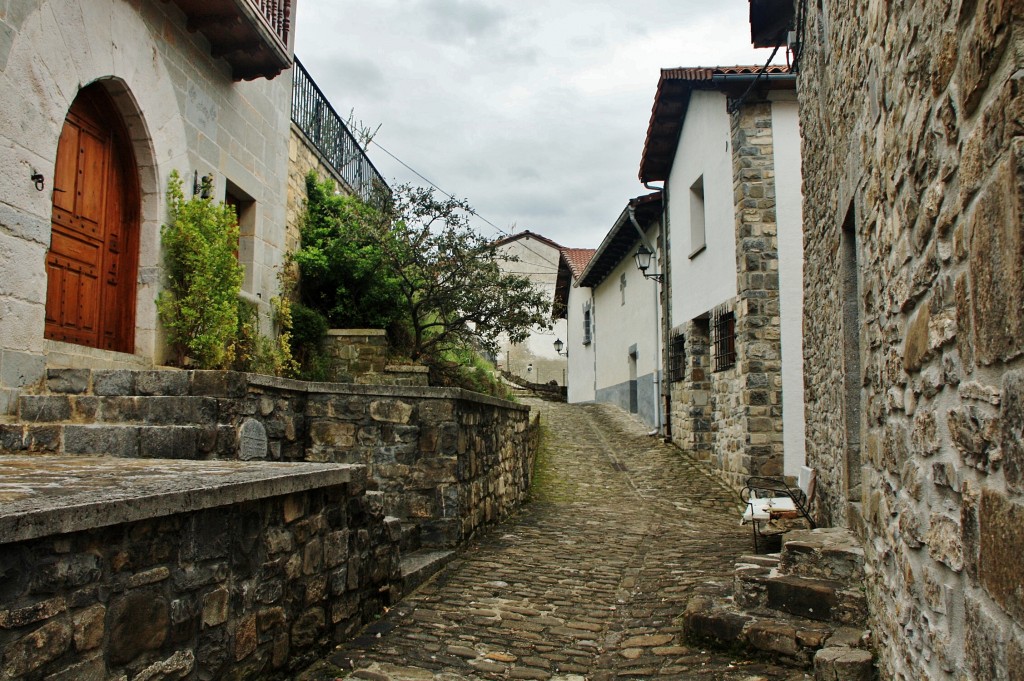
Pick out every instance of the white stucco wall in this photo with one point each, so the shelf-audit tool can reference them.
(582, 357)
(789, 215)
(539, 261)
(708, 278)
(621, 325)
(183, 112)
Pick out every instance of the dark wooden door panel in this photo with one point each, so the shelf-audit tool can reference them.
(91, 263)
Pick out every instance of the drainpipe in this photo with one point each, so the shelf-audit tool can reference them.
(657, 329)
(666, 318)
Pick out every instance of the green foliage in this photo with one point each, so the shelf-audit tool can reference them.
(340, 265)
(409, 263)
(260, 354)
(453, 290)
(199, 307)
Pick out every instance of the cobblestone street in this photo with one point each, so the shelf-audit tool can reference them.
(587, 582)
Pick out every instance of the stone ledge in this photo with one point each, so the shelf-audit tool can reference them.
(46, 495)
(356, 332)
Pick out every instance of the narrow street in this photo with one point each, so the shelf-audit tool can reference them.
(587, 582)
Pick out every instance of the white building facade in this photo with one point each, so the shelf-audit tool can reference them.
(728, 155)
(614, 320)
(534, 360)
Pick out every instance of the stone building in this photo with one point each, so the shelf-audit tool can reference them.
(913, 153)
(103, 99)
(727, 150)
(614, 317)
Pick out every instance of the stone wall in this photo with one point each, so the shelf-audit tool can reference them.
(758, 333)
(914, 179)
(448, 461)
(256, 588)
(734, 416)
(355, 352)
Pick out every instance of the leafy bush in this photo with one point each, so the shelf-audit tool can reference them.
(340, 263)
(199, 307)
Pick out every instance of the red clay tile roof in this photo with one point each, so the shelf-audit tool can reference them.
(672, 100)
(577, 259)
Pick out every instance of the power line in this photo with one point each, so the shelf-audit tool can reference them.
(452, 197)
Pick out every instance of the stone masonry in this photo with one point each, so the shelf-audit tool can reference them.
(734, 416)
(914, 180)
(114, 569)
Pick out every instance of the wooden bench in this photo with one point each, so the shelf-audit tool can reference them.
(773, 507)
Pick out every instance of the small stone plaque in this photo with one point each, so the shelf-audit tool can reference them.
(252, 440)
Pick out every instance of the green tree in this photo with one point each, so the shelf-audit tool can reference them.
(454, 294)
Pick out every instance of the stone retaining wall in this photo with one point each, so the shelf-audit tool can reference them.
(914, 200)
(233, 584)
(448, 461)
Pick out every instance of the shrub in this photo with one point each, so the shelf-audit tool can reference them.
(199, 307)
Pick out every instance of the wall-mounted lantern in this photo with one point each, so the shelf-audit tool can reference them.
(643, 263)
(558, 347)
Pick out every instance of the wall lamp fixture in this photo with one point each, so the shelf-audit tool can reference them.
(643, 263)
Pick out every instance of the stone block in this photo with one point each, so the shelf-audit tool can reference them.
(1000, 546)
(177, 666)
(31, 652)
(916, 346)
(89, 627)
(122, 441)
(68, 381)
(246, 638)
(215, 607)
(168, 442)
(984, 642)
(944, 540)
(391, 411)
(21, 368)
(840, 663)
(996, 263)
(332, 434)
(113, 382)
(44, 408)
(773, 637)
(139, 622)
(985, 45)
(162, 382)
(1011, 419)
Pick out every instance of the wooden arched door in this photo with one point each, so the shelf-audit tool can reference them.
(93, 258)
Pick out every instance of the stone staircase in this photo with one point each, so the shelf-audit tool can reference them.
(161, 414)
(171, 414)
(805, 606)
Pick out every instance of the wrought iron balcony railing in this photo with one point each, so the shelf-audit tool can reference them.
(254, 36)
(322, 125)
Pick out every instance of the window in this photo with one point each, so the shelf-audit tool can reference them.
(622, 287)
(697, 242)
(724, 328)
(587, 336)
(677, 358)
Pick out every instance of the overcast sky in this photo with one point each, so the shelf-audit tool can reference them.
(536, 112)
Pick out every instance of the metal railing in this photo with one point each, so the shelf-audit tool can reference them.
(322, 125)
(278, 14)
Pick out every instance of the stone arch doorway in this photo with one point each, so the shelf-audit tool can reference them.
(92, 262)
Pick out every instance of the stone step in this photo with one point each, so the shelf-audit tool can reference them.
(142, 410)
(842, 663)
(794, 640)
(824, 553)
(127, 441)
(421, 565)
(164, 382)
(410, 538)
(821, 600)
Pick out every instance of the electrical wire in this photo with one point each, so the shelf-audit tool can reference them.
(735, 105)
(452, 197)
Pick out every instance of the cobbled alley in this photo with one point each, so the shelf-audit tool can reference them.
(587, 582)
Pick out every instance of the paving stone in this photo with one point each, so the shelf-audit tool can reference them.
(588, 581)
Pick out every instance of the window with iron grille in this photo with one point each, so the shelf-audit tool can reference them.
(724, 328)
(586, 327)
(677, 358)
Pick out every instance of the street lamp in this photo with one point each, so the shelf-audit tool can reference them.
(643, 263)
(558, 347)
